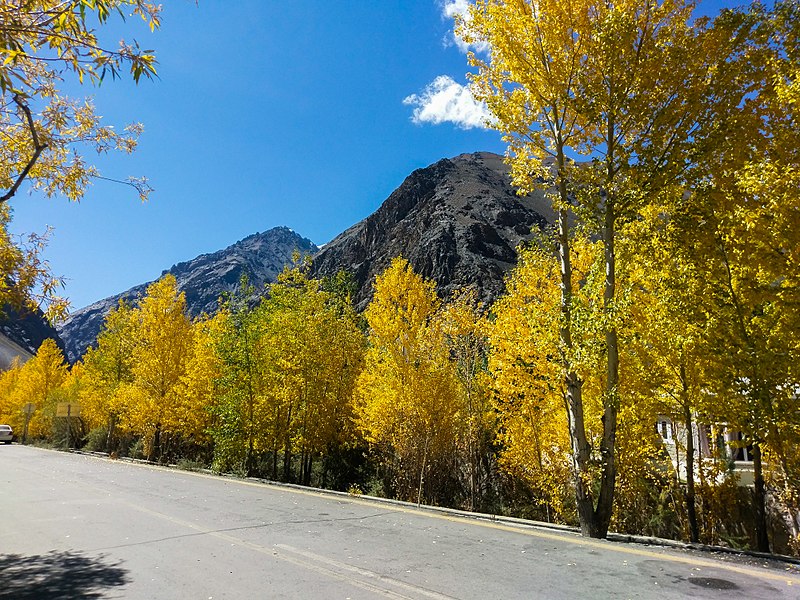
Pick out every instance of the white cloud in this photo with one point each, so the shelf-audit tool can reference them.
(453, 8)
(446, 101)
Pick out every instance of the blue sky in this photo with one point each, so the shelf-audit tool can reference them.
(265, 114)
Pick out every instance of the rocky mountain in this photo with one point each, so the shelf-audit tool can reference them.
(458, 222)
(203, 279)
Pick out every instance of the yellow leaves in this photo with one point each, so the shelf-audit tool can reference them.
(11, 55)
(135, 379)
(162, 335)
(315, 355)
(618, 81)
(286, 373)
(530, 84)
(42, 42)
(404, 303)
(107, 369)
(526, 368)
(36, 381)
(409, 401)
(27, 282)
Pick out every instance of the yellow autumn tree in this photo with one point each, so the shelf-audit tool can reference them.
(407, 392)
(44, 43)
(242, 426)
(286, 379)
(38, 379)
(666, 370)
(70, 431)
(739, 228)
(466, 328)
(162, 335)
(530, 86)
(292, 318)
(620, 82)
(529, 389)
(531, 399)
(107, 371)
(313, 350)
(198, 386)
(45, 133)
(759, 245)
(335, 346)
(9, 410)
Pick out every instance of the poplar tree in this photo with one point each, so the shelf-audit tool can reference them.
(619, 82)
(528, 382)
(314, 353)
(162, 335)
(241, 426)
(38, 379)
(466, 333)
(406, 395)
(108, 369)
(740, 228)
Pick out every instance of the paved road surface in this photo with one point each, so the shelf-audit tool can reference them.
(74, 526)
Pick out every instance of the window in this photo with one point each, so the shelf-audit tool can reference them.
(664, 429)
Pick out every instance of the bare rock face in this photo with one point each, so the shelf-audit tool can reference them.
(204, 279)
(458, 222)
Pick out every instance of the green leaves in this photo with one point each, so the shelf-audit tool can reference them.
(287, 372)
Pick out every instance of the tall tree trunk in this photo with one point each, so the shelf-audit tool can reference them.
(287, 463)
(155, 451)
(248, 462)
(287, 448)
(760, 501)
(759, 493)
(251, 434)
(691, 509)
(793, 511)
(472, 463)
(325, 462)
(112, 421)
(422, 470)
(307, 480)
(605, 501)
(581, 452)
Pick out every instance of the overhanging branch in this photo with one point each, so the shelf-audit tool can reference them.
(37, 149)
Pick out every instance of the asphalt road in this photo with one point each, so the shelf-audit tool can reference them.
(74, 526)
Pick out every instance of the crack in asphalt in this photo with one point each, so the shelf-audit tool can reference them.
(242, 528)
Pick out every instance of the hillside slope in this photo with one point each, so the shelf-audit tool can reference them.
(204, 279)
(458, 222)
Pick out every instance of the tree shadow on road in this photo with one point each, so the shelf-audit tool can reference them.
(58, 575)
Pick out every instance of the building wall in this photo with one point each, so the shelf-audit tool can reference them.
(10, 350)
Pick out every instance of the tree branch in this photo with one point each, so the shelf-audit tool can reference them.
(37, 149)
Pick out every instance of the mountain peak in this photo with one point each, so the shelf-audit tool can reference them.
(261, 256)
(457, 221)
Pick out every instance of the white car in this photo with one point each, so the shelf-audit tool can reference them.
(6, 434)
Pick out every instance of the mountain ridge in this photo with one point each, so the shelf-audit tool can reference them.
(261, 256)
(458, 221)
